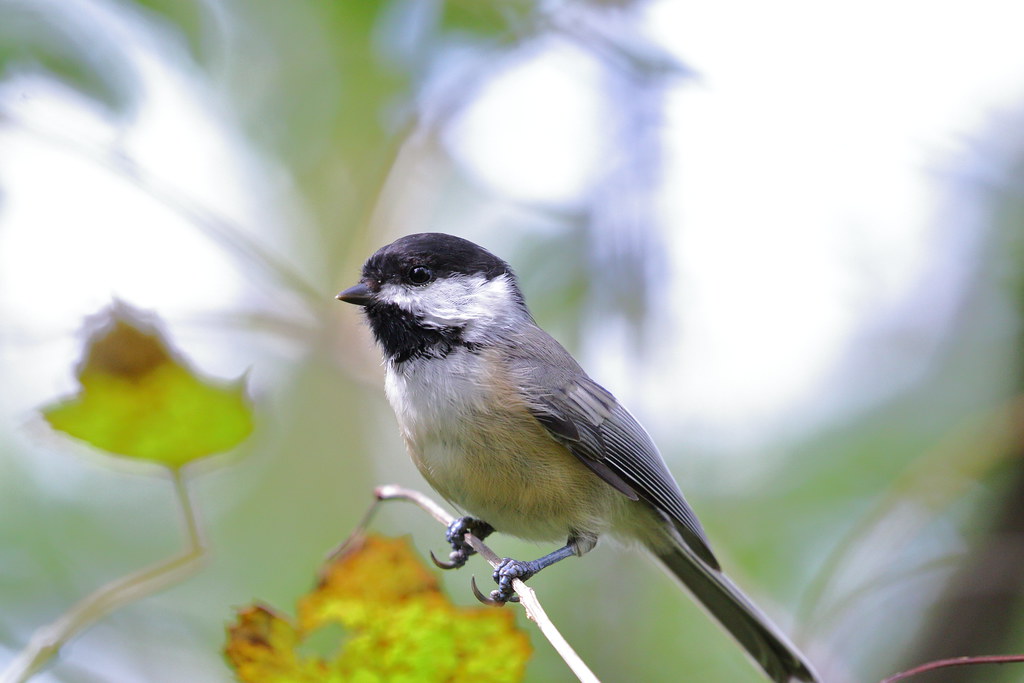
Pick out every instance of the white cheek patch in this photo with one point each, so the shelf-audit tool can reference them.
(466, 301)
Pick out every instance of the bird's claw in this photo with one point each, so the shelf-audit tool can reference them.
(494, 600)
(458, 529)
(456, 536)
(454, 564)
(507, 571)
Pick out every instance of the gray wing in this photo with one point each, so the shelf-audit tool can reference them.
(587, 419)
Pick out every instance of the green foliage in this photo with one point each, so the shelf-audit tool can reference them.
(339, 104)
(192, 19)
(501, 21)
(138, 400)
(399, 627)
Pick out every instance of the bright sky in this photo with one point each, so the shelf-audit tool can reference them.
(801, 185)
(797, 196)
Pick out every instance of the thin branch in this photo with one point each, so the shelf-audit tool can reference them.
(527, 596)
(956, 661)
(47, 640)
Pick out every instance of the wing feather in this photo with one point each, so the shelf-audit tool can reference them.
(598, 430)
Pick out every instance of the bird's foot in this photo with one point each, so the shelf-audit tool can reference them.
(456, 536)
(506, 572)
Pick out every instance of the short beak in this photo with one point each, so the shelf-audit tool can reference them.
(359, 294)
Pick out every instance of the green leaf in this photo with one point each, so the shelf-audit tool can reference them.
(504, 21)
(398, 626)
(138, 399)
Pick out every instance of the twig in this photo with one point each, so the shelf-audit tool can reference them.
(47, 640)
(527, 596)
(956, 661)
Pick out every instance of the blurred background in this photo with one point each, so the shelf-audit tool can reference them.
(787, 235)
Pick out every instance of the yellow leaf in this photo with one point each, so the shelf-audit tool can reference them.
(398, 627)
(138, 399)
(262, 647)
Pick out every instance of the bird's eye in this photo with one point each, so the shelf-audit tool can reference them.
(418, 275)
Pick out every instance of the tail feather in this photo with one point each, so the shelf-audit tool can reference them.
(762, 640)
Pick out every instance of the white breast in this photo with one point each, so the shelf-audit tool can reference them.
(477, 444)
(434, 396)
(438, 403)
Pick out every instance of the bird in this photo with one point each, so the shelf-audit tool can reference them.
(503, 423)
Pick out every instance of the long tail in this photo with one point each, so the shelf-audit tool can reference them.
(762, 639)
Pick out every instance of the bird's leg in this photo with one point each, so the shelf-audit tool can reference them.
(456, 536)
(509, 569)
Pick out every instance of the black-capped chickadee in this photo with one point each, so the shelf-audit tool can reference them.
(504, 424)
